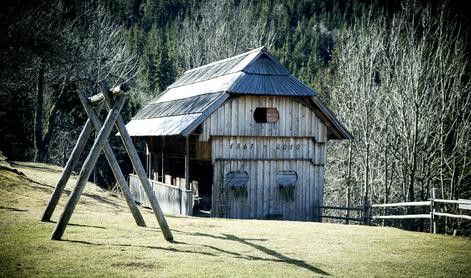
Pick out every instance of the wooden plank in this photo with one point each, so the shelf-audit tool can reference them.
(113, 162)
(136, 162)
(187, 162)
(87, 168)
(404, 204)
(407, 216)
(342, 218)
(341, 208)
(464, 202)
(461, 216)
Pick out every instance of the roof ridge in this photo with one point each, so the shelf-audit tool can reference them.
(259, 49)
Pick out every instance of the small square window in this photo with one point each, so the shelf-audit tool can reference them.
(266, 115)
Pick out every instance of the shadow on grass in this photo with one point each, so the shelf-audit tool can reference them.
(13, 209)
(278, 257)
(82, 225)
(37, 167)
(171, 249)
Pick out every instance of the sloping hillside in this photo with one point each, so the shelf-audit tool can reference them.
(103, 240)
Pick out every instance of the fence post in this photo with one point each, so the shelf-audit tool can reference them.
(433, 207)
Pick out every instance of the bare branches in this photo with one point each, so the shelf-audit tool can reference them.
(403, 89)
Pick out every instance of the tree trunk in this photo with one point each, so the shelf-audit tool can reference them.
(38, 123)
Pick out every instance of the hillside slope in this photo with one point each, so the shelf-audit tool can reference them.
(103, 240)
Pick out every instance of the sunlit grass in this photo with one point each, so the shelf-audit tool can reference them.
(103, 240)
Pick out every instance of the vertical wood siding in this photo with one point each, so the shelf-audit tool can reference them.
(296, 142)
(264, 199)
(235, 118)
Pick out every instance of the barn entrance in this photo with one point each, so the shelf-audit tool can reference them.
(167, 160)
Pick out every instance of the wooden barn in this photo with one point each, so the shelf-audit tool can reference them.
(241, 137)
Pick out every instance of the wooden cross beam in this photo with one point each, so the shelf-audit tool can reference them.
(92, 115)
(115, 99)
(136, 162)
(87, 168)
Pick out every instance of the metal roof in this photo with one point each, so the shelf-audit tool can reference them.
(194, 96)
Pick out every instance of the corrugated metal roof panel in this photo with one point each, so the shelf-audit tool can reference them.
(215, 69)
(164, 126)
(280, 85)
(215, 85)
(267, 66)
(196, 104)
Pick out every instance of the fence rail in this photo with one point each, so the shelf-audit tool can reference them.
(432, 204)
(366, 212)
(405, 204)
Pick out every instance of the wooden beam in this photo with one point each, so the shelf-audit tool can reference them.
(87, 168)
(113, 162)
(136, 162)
(467, 217)
(405, 204)
(187, 162)
(115, 91)
(69, 167)
(341, 208)
(464, 202)
(342, 218)
(407, 216)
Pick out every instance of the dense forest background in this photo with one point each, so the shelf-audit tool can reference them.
(395, 72)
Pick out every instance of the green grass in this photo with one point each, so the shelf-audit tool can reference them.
(103, 240)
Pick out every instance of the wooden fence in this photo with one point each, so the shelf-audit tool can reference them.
(172, 199)
(366, 213)
(433, 205)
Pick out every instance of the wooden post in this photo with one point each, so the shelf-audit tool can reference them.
(136, 162)
(433, 223)
(114, 164)
(163, 151)
(148, 158)
(87, 168)
(69, 167)
(187, 162)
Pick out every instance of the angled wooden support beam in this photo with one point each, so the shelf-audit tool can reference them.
(136, 162)
(87, 168)
(115, 91)
(114, 164)
(69, 167)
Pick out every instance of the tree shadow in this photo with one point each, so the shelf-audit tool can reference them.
(278, 257)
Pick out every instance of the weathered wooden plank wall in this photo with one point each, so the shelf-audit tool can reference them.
(264, 199)
(235, 118)
(296, 142)
(172, 199)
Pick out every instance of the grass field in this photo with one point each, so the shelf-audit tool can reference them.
(102, 240)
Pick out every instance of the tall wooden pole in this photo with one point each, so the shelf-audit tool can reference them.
(187, 162)
(136, 162)
(114, 164)
(69, 167)
(87, 168)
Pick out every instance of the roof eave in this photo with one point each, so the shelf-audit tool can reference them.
(339, 131)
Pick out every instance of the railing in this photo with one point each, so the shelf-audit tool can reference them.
(172, 199)
(347, 218)
(366, 213)
(432, 215)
